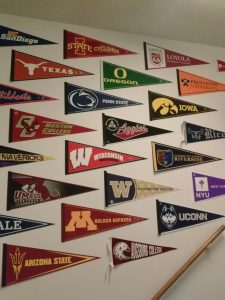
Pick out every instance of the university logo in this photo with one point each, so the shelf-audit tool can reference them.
(165, 157)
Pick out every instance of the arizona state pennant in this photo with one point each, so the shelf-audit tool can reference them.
(221, 65)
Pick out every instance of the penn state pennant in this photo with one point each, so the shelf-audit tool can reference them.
(80, 99)
(173, 217)
(118, 130)
(79, 221)
(221, 65)
(22, 263)
(166, 157)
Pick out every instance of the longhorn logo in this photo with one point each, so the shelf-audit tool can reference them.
(31, 67)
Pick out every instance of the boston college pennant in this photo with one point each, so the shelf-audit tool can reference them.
(23, 263)
(28, 67)
(79, 221)
(221, 65)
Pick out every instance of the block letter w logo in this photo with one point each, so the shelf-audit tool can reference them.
(80, 157)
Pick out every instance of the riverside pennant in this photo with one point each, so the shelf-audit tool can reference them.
(116, 77)
(157, 57)
(79, 221)
(22, 263)
(28, 67)
(117, 130)
(172, 217)
(24, 190)
(26, 126)
(189, 84)
(121, 189)
(81, 46)
(221, 65)
(166, 157)
(82, 157)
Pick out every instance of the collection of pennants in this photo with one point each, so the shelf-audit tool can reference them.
(21, 263)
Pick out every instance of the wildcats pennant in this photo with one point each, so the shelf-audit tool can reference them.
(23, 263)
(162, 107)
(172, 217)
(28, 67)
(82, 157)
(117, 130)
(24, 190)
(221, 65)
(81, 46)
(189, 84)
(79, 221)
(157, 57)
(116, 77)
(167, 157)
(121, 189)
(25, 126)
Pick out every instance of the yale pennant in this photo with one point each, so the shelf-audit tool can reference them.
(221, 65)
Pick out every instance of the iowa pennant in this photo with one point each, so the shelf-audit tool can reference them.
(189, 84)
(172, 217)
(162, 107)
(82, 157)
(221, 65)
(116, 77)
(121, 189)
(24, 190)
(157, 57)
(79, 221)
(117, 130)
(23, 263)
(81, 46)
(166, 157)
(28, 67)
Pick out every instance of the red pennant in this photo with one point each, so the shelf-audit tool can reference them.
(221, 65)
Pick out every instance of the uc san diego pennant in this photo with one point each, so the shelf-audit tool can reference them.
(172, 217)
(79, 221)
(166, 157)
(22, 263)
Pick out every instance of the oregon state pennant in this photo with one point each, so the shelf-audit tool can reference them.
(221, 65)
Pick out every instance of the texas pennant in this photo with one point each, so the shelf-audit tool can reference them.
(79, 221)
(221, 65)
(24, 190)
(121, 189)
(28, 67)
(166, 157)
(80, 99)
(13, 37)
(123, 251)
(26, 126)
(172, 217)
(117, 130)
(189, 84)
(157, 57)
(82, 157)
(116, 77)
(81, 46)
(162, 107)
(23, 263)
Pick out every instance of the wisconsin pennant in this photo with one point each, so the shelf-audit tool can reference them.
(81, 46)
(221, 65)
(23, 263)
(172, 217)
(117, 77)
(28, 67)
(79, 221)
(166, 157)
(82, 157)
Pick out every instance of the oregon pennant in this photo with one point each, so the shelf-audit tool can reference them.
(79, 221)
(28, 67)
(81, 46)
(117, 130)
(172, 217)
(22, 263)
(166, 157)
(189, 84)
(221, 65)
(116, 77)
(82, 157)
(162, 107)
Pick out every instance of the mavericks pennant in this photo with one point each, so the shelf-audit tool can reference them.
(118, 130)
(23, 263)
(166, 157)
(221, 65)
(79, 221)
(81, 46)
(172, 217)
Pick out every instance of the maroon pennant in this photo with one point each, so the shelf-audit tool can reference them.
(221, 65)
